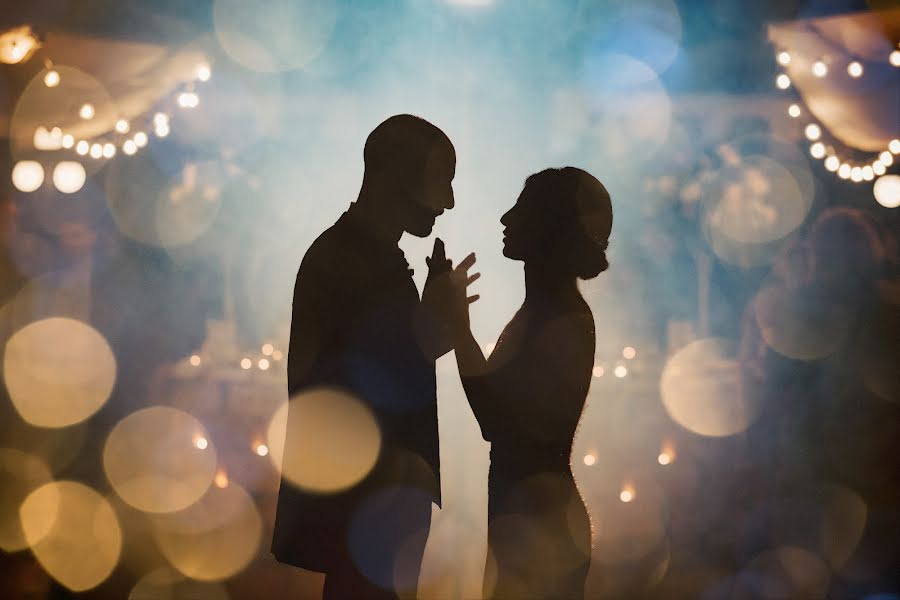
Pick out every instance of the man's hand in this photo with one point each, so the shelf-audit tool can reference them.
(445, 307)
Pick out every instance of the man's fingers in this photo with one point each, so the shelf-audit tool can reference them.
(438, 252)
(466, 263)
(472, 279)
(472, 299)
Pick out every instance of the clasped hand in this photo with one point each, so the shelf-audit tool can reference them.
(445, 298)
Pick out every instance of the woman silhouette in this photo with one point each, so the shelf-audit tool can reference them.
(529, 394)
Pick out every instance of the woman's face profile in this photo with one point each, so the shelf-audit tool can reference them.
(521, 231)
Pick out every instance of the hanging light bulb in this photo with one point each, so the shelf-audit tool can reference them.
(844, 171)
(887, 191)
(894, 58)
(878, 168)
(855, 69)
(813, 132)
(109, 150)
(832, 163)
(129, 147)
(140, 139)
(894, 146)
(51, 78)
(122, 126)
(886, 158)
(817, 150)
(784, 58)
(27, 175)
(856, 174)
(783, 82)
(819, 69)
(82, 147)
(96, 150)
(794, 110)
(868, 173)
(86, 112)
(69, 176)
(68, 140)
(203, 72)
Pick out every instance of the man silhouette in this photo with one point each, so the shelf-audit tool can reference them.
(358, 325)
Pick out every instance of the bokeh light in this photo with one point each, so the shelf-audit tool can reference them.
(798, 323)
(167, 584)
(69, 176)
(701, 390)
(282, 35)
(214, 538)
(58, 371)
(154, 462)
(332, 440)
(20, 474)
(73, 532)
(785, 572)
(27, 175)
(887, 191)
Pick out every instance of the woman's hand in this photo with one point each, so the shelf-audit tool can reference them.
(444, 314)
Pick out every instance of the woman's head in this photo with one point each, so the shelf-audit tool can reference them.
(562, 218)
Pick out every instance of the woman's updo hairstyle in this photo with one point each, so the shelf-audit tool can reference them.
(577, 216)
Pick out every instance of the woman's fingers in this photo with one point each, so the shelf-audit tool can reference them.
(472, 279)
(466, 263)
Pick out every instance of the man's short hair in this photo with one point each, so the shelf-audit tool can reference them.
(405, 141)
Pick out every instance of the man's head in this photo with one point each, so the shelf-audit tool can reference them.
(410, 165)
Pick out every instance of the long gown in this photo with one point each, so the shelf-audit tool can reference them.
(528, 405)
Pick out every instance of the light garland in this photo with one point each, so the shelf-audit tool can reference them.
(813, 131)
(28, 179)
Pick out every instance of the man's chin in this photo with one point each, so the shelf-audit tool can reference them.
(421, 231)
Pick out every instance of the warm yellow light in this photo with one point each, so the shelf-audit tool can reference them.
(894, 146)
(221, 479)
(109, 150)
(188, 100)
(246, 363)
(819, 69)
(590, 459)
(51, 78)
(96, 150)
(817, 150)
(69, 176)
(813, 132)
(878, 168)
(200, 442)
(263, 364)
(268, 349)
(794, 110)
(277, 355)
(868, 173)
(886, 158)
(27, 175)
(629, 352)
(68, 141)
(195, 360)
(129, 147)
(262, 449)
(856, 174)
(887, 191)
(140, 139)
(161, 130)
(620, 371)
(894, 58)
(87, 111)
(597, 371)
(160, 119)
(122, 126)
(844, 171)
(855, 69)
(626, 495)
(783, 82)
(82, 147)
(17, 44)
(664, 458)
(203, 72)
(784, 58)
(832, 163)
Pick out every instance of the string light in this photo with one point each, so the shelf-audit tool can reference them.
(188, 100)
(894, 146)
(68, 141)
(203, 72)
(886, 158)
(856, 174)
(855, 69)
(51, 78)
(246, 363)
(844, 171)
(82, 147)
(794, 110)
(783, 82)
(140, 139)
(109, 150)
(96, 150)
(86, 112)
(832, 163)
(122, 126)
(868, 173)
(817, 150)
(894, 58)
(819, 69)
(27, 175)
(878, 168)
(590, 459)
(195, 359)
(784, 58)
(620, 371)
(813, 132)
(129, 147)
